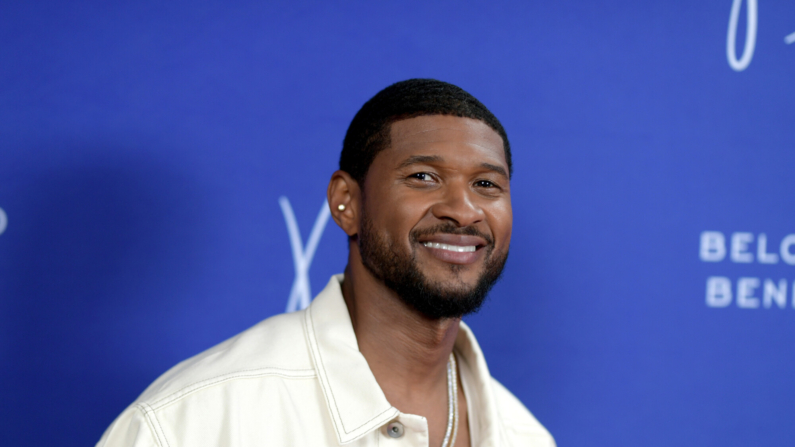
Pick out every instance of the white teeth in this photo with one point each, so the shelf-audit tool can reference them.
(456, 248)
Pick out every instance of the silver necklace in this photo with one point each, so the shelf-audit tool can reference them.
(452, 403)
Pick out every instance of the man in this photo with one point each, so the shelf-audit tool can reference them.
(381, 356)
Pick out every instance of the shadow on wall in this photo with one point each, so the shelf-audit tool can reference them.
(98, 239)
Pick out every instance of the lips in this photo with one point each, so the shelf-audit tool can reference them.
(454, 248)
(448, 247)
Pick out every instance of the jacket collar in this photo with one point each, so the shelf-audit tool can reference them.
(354, 399)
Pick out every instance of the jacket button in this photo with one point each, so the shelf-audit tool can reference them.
(395, 429)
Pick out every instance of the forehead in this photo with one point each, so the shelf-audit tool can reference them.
(454, 138)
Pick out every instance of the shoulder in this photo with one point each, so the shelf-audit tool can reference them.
(196, 396)
(521, 427)
(275, 347)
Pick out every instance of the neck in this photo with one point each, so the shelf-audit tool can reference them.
(407, 352)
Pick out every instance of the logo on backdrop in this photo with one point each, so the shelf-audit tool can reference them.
(746, 248)
(750, 35)
(301, 293)
(3, 221)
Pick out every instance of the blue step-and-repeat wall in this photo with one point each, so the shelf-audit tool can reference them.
(163, 168)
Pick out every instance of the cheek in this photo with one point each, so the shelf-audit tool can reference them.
(400, 222)
(502, 224)
(390, 217)
(397, 208)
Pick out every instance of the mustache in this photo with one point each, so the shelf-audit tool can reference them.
(449, 228)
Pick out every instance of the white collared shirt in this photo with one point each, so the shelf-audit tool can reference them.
(299, 379)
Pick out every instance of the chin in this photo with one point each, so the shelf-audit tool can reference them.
(454, 283)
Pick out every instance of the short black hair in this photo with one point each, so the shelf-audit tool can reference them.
(369, 132)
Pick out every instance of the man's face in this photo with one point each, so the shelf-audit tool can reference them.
(436, 218)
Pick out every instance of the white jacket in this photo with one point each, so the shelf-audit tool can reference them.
(299, 379)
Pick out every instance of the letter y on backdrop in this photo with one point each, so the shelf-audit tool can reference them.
(301, 293)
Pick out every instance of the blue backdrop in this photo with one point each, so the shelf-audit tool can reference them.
(144, 147)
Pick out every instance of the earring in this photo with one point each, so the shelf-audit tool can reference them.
(341, 207)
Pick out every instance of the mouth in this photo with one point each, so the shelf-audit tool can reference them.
(454, 248)
(450, 247)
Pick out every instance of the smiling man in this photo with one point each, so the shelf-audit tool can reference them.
(381, 356)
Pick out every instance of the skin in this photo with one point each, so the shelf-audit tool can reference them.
(437, 169)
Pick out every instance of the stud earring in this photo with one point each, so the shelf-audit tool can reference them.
(341, 207)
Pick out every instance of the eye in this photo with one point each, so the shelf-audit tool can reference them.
(485, 184)
(422, 176)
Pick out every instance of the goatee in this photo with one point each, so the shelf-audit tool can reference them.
(399, 272)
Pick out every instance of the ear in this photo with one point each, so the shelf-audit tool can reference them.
(344, 190)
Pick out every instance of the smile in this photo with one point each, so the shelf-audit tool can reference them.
(448, 247)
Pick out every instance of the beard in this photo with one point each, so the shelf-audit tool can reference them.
(435, 300)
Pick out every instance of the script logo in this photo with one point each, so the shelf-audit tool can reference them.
(3, 221)
(750, 35)
(301, 293)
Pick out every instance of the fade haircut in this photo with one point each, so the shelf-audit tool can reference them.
(369, 132)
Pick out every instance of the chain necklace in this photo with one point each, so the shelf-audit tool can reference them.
(452, 403)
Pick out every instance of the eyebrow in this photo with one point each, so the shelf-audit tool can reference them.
(419, 159)
(498, 169)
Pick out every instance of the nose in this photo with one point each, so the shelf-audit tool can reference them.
(458, 205)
